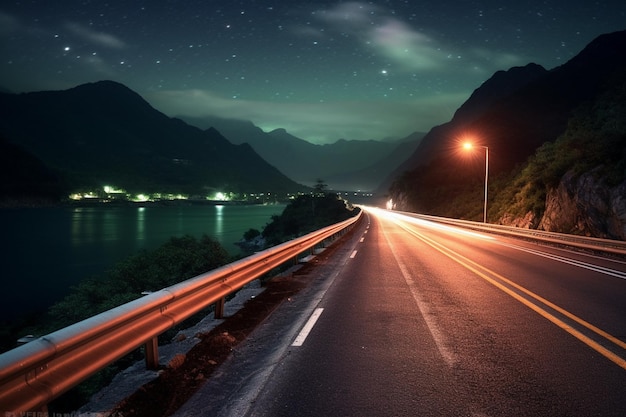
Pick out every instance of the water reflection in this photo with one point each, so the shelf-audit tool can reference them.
(219, 220)
(83, 226)
(141, 223)
(109, 225)
(80, 242)
(90, 225)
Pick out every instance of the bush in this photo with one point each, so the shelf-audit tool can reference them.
(251, 234)
(180, 258)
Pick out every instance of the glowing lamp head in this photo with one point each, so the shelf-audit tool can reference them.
(467, 145)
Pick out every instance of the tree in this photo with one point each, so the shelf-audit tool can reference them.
(306, 214)
(320, 187)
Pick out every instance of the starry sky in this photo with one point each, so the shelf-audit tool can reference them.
(323, 70)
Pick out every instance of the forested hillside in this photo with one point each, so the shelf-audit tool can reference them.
(574, 180)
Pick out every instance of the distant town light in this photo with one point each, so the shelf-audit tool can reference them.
(141, 198)
(112, 190)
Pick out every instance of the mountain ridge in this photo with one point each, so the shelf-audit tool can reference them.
(544, 140)
(502, 122)
(306, 162)
(104, 133)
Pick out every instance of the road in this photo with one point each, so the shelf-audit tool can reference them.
(420, 319)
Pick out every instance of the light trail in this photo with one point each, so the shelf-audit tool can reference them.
(508, 286)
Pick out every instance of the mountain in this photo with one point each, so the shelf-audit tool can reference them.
(441, 138)
(104, 133)
(520, 115)
(305, 162)
(368, 178)
(26, 179)
(577, 183)
(515, 111)
(500, 85)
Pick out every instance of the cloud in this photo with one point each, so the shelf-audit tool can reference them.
(10, 23)
(403, 46)
(317, 122)
(98, 38)
(354, 13)
(388, 36)
(410, 49)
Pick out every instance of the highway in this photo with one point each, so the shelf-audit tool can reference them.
(421, 319)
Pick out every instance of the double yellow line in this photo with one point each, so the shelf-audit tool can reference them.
(488, 275)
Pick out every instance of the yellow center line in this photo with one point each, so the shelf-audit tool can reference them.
(478, 270)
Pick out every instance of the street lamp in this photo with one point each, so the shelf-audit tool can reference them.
(468, 146)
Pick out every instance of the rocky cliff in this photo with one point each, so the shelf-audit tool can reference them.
(580, 204)
(586, 205)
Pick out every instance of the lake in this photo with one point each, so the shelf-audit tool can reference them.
(47, 250)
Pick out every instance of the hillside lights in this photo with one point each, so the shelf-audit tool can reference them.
(469, 146)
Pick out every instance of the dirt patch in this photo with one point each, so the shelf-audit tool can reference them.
(186, 373)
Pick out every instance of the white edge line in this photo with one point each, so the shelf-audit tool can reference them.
(307, 327)
(440, 341)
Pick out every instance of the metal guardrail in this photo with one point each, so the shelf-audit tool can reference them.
(616, 247)
(34, 374)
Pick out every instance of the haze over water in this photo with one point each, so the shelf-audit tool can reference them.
(47, 250)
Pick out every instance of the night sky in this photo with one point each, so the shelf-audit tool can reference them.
(324, 70)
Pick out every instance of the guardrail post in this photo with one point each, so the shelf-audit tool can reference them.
(152, 353)
(219, 308)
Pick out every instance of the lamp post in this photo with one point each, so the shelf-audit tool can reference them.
(468, 145)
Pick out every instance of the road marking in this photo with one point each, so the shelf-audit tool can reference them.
(362, 239)
(482, 272)
(353, 254)
(299, 341)
(580, 264)
(440, 341)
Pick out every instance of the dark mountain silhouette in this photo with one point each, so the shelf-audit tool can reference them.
(444, 137)
(516, 111)
(500, 85)
(337, 163)
(513, 113)
(368, 179)
(104, 133)
(26, 180)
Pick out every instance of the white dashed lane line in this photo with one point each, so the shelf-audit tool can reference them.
(307, 327)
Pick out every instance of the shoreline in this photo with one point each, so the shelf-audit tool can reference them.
(125, 203)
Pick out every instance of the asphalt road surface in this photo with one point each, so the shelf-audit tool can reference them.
(419, 319)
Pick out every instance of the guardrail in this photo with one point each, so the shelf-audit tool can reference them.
(34, 374)
(617, 247)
